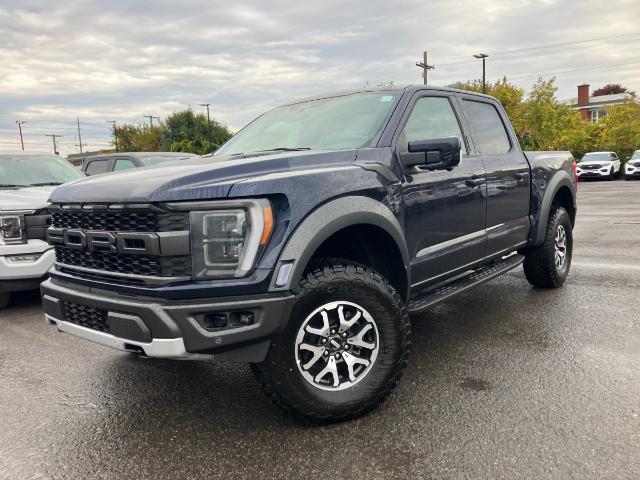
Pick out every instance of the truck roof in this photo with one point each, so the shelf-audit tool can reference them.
(393, 88)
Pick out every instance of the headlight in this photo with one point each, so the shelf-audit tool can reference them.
(11, 229)
(226, 242)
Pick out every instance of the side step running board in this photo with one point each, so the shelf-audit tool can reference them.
(443, 291)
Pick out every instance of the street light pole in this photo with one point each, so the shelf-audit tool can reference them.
(20, 122)
(483, 56)
(208, 125)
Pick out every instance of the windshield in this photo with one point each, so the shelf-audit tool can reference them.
(35, 170)
(636, 155)
(589, 157)
(345, 122)
(148, 161)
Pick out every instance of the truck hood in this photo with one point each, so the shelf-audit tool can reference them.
(204, 178)
(28, 198)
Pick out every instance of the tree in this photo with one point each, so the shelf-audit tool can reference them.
(138, 138)
(509, 95)
(180, 132)
(188, 132)
(611, 88)
(620, 129)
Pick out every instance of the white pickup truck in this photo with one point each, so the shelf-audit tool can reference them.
(26, 181)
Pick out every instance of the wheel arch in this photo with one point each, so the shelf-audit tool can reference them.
(560, 191)
(362, 220)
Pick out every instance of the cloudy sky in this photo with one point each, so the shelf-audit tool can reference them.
(122, 59)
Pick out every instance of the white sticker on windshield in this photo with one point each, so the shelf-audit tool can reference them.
(386, 98)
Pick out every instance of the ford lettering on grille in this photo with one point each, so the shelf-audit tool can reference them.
(132, 243)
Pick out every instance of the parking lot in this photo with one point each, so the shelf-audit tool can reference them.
(505, 381)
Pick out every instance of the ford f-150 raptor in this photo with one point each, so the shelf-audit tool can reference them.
(304, 243)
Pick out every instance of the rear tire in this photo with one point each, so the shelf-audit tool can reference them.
(4, 299)
(547, 266)
(361, 368)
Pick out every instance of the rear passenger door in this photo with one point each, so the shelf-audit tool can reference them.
(507, 170)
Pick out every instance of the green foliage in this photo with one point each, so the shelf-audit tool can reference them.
(620, 129)
(181, 132)
(136, 138)
(541, 122)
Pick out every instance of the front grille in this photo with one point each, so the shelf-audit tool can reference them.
(86, 316)
(591, 167)
(148, 221)
(132, 264)
(122, 221)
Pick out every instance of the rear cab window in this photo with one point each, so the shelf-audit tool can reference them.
(489, 133)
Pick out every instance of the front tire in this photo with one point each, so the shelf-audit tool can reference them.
(547, 266)
(344, 348)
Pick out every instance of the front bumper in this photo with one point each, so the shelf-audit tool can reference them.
(632, 171)
(593, 173)
(165, 329)
(24, 275)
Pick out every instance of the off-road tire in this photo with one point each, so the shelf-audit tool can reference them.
(327, 281)
(539, 263)
(4, 299)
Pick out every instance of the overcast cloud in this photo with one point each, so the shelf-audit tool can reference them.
(120, 60)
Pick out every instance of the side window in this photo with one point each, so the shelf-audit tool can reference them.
(488, 130)
(97, 166)
(431, 117)
(123, 164)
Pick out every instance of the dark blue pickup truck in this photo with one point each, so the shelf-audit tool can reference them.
(304, 243)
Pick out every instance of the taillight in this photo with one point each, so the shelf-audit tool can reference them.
(574, 167)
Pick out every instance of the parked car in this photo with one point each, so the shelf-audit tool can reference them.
(599, 165)
(302, 245)
(114, 162)
(632, 167)
(26, 181)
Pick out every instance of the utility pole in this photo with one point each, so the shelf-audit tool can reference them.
(115, 133)
(55, 145)
(20, 122)
(483, 56)
(424, 65)
(79, 136)
(208, 125)
(151, 117)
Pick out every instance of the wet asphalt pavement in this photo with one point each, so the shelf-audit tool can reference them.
(505, 381)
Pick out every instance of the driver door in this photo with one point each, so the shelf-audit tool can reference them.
(445, 210)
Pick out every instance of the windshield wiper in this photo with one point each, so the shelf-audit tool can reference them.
(284, 149)
(12, 185)
(44, 184)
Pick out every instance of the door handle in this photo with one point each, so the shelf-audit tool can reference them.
(474, 182)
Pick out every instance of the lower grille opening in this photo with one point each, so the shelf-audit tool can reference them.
(86, 316)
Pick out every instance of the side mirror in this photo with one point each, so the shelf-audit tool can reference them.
(432, 154)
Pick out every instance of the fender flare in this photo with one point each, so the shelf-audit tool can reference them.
(559, 180)
(328, 219)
